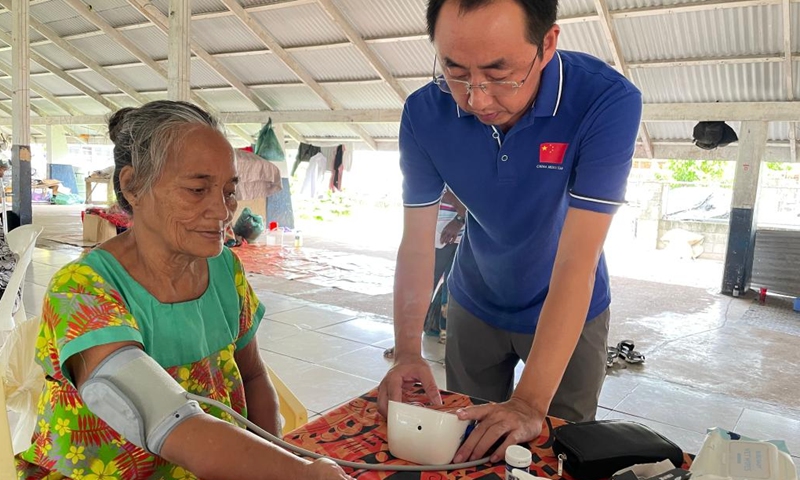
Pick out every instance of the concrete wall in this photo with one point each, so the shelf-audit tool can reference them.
(714, 233)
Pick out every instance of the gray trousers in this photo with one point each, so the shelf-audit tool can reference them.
(480, 361)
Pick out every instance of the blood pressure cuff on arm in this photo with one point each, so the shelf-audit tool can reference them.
(135, 396)
(595, 450)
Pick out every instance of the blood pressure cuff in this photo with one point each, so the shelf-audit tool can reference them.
(596, 450)
(136, 397)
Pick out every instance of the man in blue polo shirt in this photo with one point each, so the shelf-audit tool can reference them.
(537, 144)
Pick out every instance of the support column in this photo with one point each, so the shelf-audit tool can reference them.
(49, 144)
(741, 237)
(21, 114)
(180, 56)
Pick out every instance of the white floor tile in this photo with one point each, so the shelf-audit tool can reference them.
(313, 347)
(366, 330)
(766, 426)
(689, 441)
(681, 407)
(367, 362)
(311, 318)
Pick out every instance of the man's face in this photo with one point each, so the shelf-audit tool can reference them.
(491, 44)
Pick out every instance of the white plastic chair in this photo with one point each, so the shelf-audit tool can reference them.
(21, 384)
(22, 241)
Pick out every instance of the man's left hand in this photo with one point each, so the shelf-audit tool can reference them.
(516, 420)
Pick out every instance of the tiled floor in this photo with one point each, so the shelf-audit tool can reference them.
(328, 354)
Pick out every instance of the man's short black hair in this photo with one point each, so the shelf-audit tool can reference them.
(541, 15)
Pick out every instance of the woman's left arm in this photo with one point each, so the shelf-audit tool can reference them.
(262, 399)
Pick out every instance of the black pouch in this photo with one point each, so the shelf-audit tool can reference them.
(597, 450)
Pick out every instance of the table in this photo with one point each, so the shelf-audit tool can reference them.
(357, 432)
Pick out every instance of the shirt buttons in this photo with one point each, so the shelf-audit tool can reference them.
(504, 158)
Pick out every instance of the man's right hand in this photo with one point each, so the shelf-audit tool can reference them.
(406, 372)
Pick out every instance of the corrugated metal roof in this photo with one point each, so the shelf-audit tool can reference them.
(151, 40)
(52, 11)
(325, 130)
(258, 68)
(46, 107)
(574, 8)
(336, 63)
(35, 67)
(87, 105)
(796, 79)
(710, 33)
(778, 131)
(381, 130)
(755, 82)
(585, 37)
(300, 25)
(198, 6)
(384, 18)
(69, 26)
(228, 100)
(671, 130)
(140, 77)
(103, 50)
(121, 15)
(796, 27)
(95, 81)
(373, 95)
(408, 58)
(54, 85)
(629, 4)
(291, 98)
(224, 34)
(202, 76)
(57, 56)
(413, 85)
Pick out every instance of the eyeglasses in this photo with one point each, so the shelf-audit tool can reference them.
(494, 89)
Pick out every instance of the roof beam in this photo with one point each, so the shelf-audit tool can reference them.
(78, 55)
(42, 93)
(652, 112)
(722, 111)
(160, 21)
(355, 38)
(64, 76)
(788, 67)
(230, 118)
(775, 152)
(89, 14)
(619, 60)
(260, 32)
(691, 7)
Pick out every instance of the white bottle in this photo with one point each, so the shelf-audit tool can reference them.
(517, 458)
(298, 239)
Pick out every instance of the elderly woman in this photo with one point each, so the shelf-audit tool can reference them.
(158, 311)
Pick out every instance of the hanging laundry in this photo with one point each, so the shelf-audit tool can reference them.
(258, 178)
(304, 153)
(315, 176)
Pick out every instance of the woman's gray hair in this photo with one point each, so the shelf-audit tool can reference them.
(144, 138)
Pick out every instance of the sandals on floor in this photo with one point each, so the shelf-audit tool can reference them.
(627, 352)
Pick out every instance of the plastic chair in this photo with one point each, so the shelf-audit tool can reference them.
(292, 410)
(22, 241)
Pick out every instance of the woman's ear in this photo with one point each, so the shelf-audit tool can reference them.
(125, 182)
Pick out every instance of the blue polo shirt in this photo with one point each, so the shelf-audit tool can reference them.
(572, 149)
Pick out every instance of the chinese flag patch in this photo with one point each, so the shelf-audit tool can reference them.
(552, 153)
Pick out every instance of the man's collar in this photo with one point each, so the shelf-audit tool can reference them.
(548, 99)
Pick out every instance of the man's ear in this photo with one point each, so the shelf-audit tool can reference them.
(550, 44)
(125, 181)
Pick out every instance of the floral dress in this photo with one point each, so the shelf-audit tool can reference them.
(93, 301)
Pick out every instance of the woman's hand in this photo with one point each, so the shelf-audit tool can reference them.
(325, 469)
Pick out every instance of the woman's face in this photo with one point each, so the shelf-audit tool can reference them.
(195, 198)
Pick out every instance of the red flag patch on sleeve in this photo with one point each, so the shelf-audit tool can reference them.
(552, 153)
